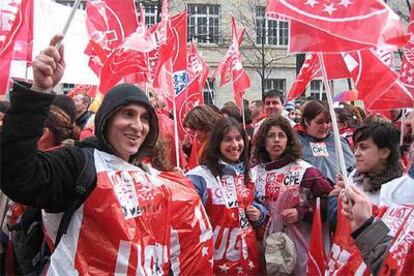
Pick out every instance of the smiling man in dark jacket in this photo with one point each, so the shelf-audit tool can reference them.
(125, 217)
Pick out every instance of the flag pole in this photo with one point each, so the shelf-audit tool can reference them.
(69, 20)
(338, 146)
(177, 152)
(402, 127)
(243, 114)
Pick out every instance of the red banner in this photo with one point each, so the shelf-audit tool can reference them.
(328, 26)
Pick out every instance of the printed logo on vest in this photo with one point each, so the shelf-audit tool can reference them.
(135, 193)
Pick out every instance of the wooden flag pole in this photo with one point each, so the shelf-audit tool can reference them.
(338, 146)
(69, 20)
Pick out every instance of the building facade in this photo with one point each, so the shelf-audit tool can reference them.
(264, 48)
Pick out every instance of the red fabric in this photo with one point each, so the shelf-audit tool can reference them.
(181, 80)
(193, 230)
(309, 70)
(17, 43)
(342, 246)
(407, 66)
(167, 44)
(89, 90)
(193, 159)
(109, 22)
(134, 236)
(196, 65)
(325, 26)
(119, 64)
(335, 69)
(235, 244)
(316, 253)
(231, 66)
(377, 84)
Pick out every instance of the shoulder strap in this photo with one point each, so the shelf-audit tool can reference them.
(85, 183)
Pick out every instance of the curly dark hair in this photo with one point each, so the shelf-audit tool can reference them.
(293, 149)
(212, 155)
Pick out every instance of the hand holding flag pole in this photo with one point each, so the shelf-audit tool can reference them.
(69, 21)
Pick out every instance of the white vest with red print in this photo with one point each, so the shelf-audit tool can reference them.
(269, 183)
(235, 244)
(122, 228)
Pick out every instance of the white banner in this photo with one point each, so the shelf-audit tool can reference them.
(49, 19)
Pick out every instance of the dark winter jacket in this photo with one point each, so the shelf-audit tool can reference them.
(47, 180)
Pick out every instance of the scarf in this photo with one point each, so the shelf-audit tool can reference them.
(373, 183)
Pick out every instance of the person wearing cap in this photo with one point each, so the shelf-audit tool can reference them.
(123, 223)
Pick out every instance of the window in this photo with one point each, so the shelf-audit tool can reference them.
(70, 3)
(66, 87)
(203, 23)
(270, 32)
(151, 14)
(208, 92)
(317, 90)
(279, 84)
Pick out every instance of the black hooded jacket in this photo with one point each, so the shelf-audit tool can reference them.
(47, 180)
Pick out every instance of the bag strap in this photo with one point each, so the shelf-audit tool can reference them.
(85, 183)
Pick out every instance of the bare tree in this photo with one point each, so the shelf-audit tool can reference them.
(256, 51)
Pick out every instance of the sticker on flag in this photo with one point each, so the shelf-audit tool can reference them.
(180, 81)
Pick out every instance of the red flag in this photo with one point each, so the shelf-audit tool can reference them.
(377, 84)
(335, 69)
(89, 90)
(231, 66)
(197, 66)
(181, 81)
(328, 26)
(166, 42)
(119, 64)
(316, 252)
(7, 16)
(407, 66)
(108, 23)
(309, 70)
(18, 42)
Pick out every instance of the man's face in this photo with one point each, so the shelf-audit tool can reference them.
(80, 104)
(255, 109)
(127, 130)
(273, 106)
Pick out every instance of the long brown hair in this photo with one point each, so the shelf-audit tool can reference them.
(293, 149)
(212, 154)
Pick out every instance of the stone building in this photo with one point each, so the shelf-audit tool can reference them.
(264, 49)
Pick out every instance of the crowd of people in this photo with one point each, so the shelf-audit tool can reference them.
(112, 200)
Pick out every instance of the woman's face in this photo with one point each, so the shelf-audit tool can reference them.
(370, 158)
(319, 126)
(232, 145)
(276, 141)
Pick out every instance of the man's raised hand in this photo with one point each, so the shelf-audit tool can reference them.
(48, 67)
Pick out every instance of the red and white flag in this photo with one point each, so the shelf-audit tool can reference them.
(316, 252)
(407, 66)
(108, 23)
(309, 70)
(334, 26)
(378, 85)
(197, 67)
(17, 43)
(231, 67)
(335, 69)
